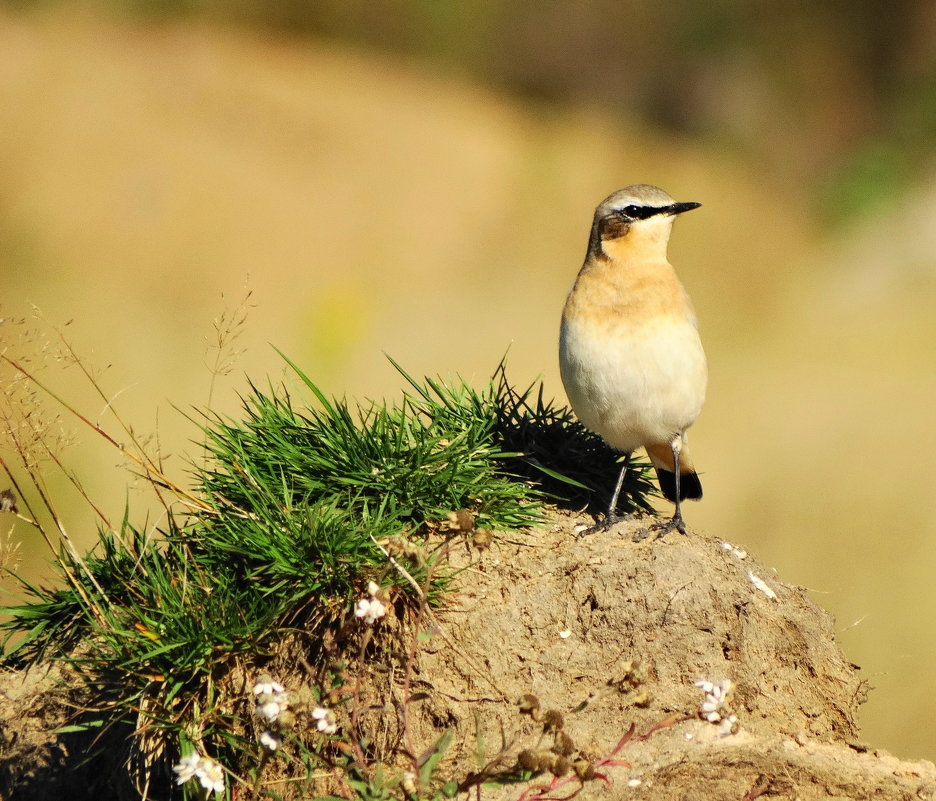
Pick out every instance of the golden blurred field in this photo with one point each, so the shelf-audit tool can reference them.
(150, 171)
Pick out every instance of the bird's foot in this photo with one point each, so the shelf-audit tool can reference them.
(663, 527)
(602, 525)
(606, 522)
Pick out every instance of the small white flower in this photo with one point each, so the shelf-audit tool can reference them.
(187, 767)
(209, 773)
(272, 699)
(718, 692)
(714, 708)
(370, 610)
(269, 711)
(270, 740)
(267, 686)
(324, 720)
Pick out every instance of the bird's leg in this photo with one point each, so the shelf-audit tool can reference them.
(611, 517)
(677, 520)
(612, 507)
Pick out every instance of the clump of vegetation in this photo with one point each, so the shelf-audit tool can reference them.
(308, 522)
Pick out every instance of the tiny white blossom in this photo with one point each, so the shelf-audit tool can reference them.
(270, 711)
(370, 610)
(267, 686)
(714, 707)
(325, 720)
(187, 767)
(209, 773)
(270, 740)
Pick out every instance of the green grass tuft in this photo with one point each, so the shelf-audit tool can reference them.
(291, 514)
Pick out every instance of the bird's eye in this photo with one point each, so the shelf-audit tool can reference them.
(631, 211)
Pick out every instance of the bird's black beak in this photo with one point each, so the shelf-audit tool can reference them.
(679, 208)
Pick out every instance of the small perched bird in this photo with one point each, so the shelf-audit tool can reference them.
(629, 350)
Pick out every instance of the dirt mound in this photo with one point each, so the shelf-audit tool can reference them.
(611, 632)
(600, 633)
(562, 617)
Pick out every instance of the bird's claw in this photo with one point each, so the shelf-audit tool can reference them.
(665, 526)
(606, 522)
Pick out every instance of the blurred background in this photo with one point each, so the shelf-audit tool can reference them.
(417, 178)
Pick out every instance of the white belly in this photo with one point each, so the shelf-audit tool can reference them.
(642, 387)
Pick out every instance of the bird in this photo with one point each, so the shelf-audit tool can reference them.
(630, 355)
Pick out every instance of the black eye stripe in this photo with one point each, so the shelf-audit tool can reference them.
(640, 212)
